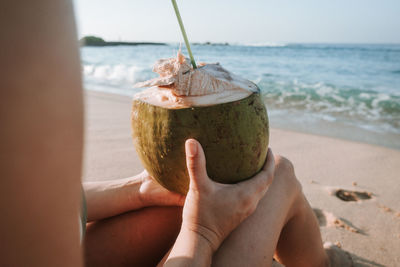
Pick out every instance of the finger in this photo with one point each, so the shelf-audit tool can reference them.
(259, 184)
(196, 164)
(266, 176)
(269, 165)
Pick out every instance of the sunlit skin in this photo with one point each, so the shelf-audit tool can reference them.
(213, 231)
(41, 134)
(133, 221)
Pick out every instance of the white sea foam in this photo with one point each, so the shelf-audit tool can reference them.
(379, 98)
(332, 104)
(328, 117)
(119, 73)
(264, 44)
(322, 90)
(365, 95)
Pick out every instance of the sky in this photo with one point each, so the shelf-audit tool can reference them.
(239, 21)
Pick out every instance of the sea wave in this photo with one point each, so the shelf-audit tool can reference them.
(317, 88)
(119, 74)
(368, 108)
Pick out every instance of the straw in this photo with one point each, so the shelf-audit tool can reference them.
(178, 16)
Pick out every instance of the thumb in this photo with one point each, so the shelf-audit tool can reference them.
(196, 164)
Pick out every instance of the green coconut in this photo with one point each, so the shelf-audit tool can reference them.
(234, 137)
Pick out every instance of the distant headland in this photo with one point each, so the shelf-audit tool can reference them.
(210, 43)
(97, 41)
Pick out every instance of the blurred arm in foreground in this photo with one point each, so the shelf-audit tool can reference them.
(41, 134)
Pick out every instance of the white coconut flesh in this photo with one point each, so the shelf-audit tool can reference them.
(180, 86)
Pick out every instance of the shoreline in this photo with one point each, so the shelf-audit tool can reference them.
(337, 130)
(369, 229)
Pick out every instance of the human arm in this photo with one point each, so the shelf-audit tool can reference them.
(212, 210)
(41, 134)
(109, 198)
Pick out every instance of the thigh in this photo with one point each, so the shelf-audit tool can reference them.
(137, 238)
(254, 242)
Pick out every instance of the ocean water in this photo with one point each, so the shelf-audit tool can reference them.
(346, 91)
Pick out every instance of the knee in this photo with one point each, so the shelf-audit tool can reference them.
(284, 173)
(283, 164)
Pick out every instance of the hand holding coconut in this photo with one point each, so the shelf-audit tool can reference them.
(213, 210)
(151, 193)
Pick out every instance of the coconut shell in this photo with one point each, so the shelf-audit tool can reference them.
(234, 137)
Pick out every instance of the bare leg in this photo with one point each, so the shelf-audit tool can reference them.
(283, 223)
(137, 238)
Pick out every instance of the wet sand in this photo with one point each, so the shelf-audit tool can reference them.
(353, 187)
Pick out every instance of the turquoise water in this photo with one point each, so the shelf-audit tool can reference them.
(308, 87)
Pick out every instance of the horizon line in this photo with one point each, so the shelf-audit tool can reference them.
(265, 43)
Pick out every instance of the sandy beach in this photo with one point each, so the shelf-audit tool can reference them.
(368, 228)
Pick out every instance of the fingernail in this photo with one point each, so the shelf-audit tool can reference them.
(191, 148)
